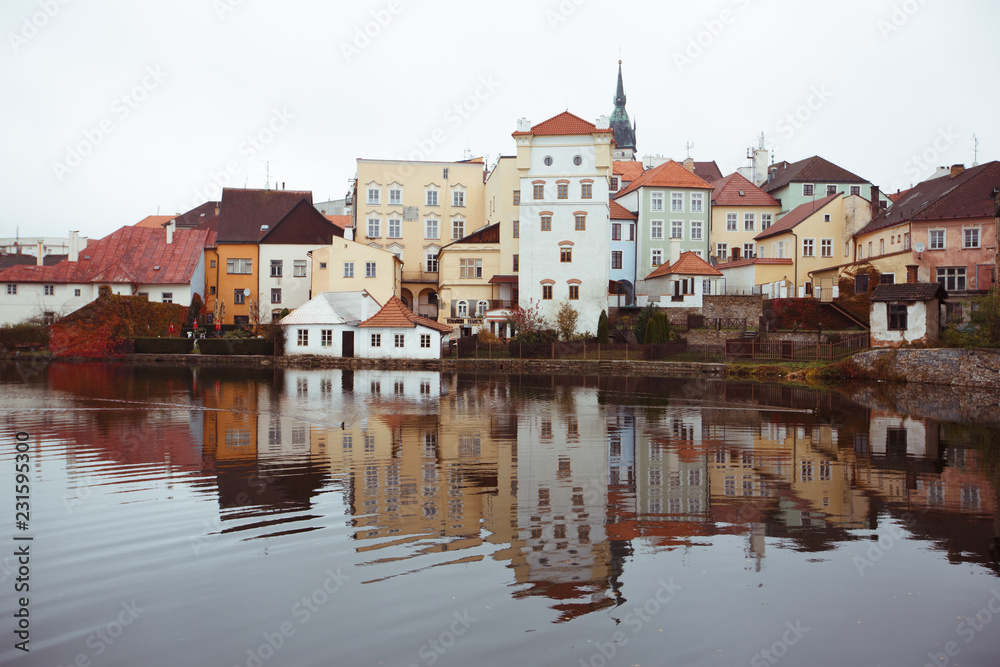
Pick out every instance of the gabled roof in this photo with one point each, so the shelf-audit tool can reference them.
(333, 308)
(628, 170)
(688, 264)
(303, 225)
(199, 214)
(154, 221)
(488, 234)
(128, 255)
(707, 171)
(795, 216)
(909, 292)
(245, 211)
(966, 195)
(736, 190)
(670, 174)
(619, 212)
(562, 125)
(395, 314)
(811, 170)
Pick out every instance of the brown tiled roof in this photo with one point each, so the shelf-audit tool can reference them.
(811, 170)
(755, 260)
(964, 196)
(199, 214)
(795, 216)
(245, 211)
(736, 190)
(629, 170)
(129, 255)
(895, 196)
(395, 314)
(342, 221)
(503, 280)
(707, 171)
(909, 292)
(17, 259)
(619, 212)
(688, 264)
(303, 225)
(670, 174)
(563, 124)
(488, 234)
(154, 221)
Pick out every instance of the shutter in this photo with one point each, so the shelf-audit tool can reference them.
(454, 305)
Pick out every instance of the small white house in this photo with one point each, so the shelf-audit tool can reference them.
(328, 323)
(396, 332)
(906, 313)
(682, 284)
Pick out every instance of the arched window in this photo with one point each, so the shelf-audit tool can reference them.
(462, 308)
(481, 308)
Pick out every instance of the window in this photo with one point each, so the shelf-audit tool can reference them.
(299, 267)
(581, 223)
(462, 308)
(677, 201)
(546, 223)
(656, 229)
(50, 290)
(395, 228)
(807, 189)
(906, 241)
(656, 257)
(696, 202)
(275, 295)
(369, 269)
(517, 197)
(861, 283)
(373, 196)
(538, 191)
(616, 259)
(303, 337)
(425, 340)
(616, 231)
(239, 296)
(808, 249)
(167, 297)
(586, 191)
(656, 201)
(348, 269)
(395, 197)
(562, 190)
(481, 308)
(458, 198)
(631, 231)
(826, 247)
(881, 246)
(326, 338)
(457, 229)
(517, 263)
(399, 340)
(431, 229)
(855, 189)
(722, 250)
(749, 222)
(374, 228)
(212, 264)
(470, 268)
(548, 160)
(897, 317)
(577, 160)
(760, 251)
(677, 229)
(887, 279)
(972, 237)
(952, 278)
(765, 220)
(937, 239)
(376, 340)
(76, 292)
(831, 190)
(234, 265)
(574, 292)
(432, 262)
(696, 230)
(546, 292)
(517, 229)
(431, 197)
(322, 266)
(276, 268)
(565, 254)
(748, 250)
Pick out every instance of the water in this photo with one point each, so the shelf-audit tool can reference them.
(245, 517)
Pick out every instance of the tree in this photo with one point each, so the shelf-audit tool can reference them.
(657, 328)
(195, 311)
(566, 320)
(640, 322)
(602, 328)
(987, 318)
(525, 320)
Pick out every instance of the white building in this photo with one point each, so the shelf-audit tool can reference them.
(682, 283)
(565, 170)
(327, 324)
(395, 332)
(41, 246)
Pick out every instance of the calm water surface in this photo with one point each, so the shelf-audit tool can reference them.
(243, 517)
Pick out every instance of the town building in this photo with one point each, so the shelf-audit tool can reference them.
(327, 324)
(906, 313)
(740, 211)
(396, 332)
(621, 291)
(348, 266)
(805, 181)
(682, 283)
(465, 269)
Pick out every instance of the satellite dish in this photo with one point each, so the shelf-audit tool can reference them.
(246, 292)
(918, 246)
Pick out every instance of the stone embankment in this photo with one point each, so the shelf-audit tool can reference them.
(945, 366)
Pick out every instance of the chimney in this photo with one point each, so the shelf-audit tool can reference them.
(874, 201)
(348, 233)
(40, 260)
(523, 125)
(74, 247)
(169, 227)
(911, 273)
(689, 164)
(957, 169)
(364, 305)
(675, 251)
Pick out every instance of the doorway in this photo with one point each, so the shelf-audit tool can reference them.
(347, 344)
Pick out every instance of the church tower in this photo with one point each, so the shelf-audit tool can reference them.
(624, 131)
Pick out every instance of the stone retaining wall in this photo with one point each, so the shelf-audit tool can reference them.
(749, 307)
(971, 368)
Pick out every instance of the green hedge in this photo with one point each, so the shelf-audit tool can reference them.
(163, 345)
(236, 345)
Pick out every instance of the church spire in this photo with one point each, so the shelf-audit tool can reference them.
(623, 129)
(620, 93)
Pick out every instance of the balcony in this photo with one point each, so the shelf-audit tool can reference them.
(420, 277)
(502, 303)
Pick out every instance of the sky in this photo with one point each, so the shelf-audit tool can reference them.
(116, 110)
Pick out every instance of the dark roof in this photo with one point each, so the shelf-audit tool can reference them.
(966, 195)
(17, 259)
(737, 190)
(303, 225)
(811, 170)
(488, 234)
(708, 171)
(198, 215)
(795, 216)
(245, 211)
(909, 292)
(619, 122)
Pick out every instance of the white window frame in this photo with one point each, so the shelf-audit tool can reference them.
(676, 202)
(425, 340)
(943, 236)
(374, 229)
(656, 256)
(808, 189)
(853, 188)
(376, 340)
(302, 337)
(722, 250)
(374, 196)
(326, 338)
(826, 247)
(481, 307)
(462, 308)
(748, 250)
(766, 220)
(395, 196)
(675, 225)
(371, 270)
(431, 197)
(656, 230)
(399, 340)
(431, 262)
(395, 228)
(432, 228)
(300, 267)
(749, 222)
(808, 247)
(458, 228)
(458, 198)
(656, 201)
(348, 269)
(696, 229)
(965, 237)
(50, 290)
(697, 202)
(732, 221)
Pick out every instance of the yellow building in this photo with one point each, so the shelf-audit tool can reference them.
(465, 269)
(413, 209)
(503, 207)
(740, 211)
(347, 266)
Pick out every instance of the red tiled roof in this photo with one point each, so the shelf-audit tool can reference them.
(154, 221)
(129, 255)
(243, 212)
(670, 174)
(563, 124)
(688, 264)
(755, 260)
(395, 314)
(619, 212)
(629, 170)
(707, 171)
(342, 221)
(728, 192)
(811, 170)
(795, 216)
(895, 196)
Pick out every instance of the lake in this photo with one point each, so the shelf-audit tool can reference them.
(228, 516)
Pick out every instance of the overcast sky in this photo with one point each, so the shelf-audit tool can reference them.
(113, 111)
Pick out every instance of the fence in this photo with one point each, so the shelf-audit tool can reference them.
(786, 350)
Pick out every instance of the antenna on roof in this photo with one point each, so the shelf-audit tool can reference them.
(975, 151)
(267, 175)
(688, 146)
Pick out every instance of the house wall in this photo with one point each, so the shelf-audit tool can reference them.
(628, 251)
(736, 239)
(954, 254)
(791, 195)
(454, 288)
(922, 324)
(500, 208)
(388, 270)
(315, 339)
(295, 291)
(387, 349)
(647, 244)
(230, 282)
